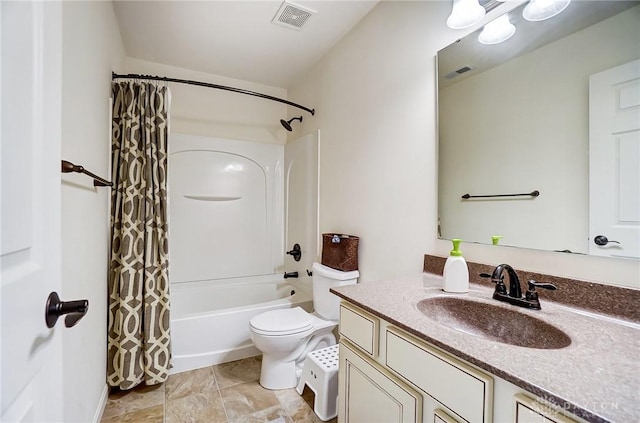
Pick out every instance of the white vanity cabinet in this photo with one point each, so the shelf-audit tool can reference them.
(387, 375)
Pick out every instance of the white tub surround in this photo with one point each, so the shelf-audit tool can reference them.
(226, 208)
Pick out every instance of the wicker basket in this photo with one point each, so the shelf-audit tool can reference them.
(340, 251)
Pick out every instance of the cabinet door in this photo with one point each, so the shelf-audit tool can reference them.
(465, 391)
(369, 394)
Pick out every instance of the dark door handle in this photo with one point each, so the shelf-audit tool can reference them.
(602, 240)
(56, 308)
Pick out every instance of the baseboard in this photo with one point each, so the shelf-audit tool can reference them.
(101, 404)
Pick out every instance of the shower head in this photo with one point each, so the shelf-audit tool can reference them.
(287, 123)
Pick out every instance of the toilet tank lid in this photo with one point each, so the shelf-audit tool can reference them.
(339, 275)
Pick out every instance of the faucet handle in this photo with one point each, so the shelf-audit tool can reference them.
(500, 286)
(546, 285)
(531, 293)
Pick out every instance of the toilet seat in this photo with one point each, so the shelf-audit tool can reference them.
(288, 321)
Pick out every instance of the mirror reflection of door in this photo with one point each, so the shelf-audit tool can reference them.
(614, 167)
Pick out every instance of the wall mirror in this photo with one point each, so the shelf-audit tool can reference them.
(514, 118)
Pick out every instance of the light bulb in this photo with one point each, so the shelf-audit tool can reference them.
(465, 13)
(497, 31)
(539, 10)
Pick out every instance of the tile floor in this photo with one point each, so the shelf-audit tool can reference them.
(225, 393)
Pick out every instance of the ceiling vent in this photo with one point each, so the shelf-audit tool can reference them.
(292, 16)
(460, 71)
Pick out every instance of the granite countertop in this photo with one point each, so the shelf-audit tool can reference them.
(597, 377)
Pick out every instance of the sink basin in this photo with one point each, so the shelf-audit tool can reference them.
(493, 322)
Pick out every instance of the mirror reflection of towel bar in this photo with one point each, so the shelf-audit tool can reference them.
(68, 167)
(529, 194)
(206, 197)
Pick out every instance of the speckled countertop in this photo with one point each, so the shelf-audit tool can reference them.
(597, 377)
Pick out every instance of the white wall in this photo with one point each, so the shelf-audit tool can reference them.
(373, 94)
(483, 151)
(216, 113)
(375, 99)
(91, 50)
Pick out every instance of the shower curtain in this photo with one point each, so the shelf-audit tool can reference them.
(139, 349)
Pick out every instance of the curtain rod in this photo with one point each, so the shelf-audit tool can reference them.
(208, 85)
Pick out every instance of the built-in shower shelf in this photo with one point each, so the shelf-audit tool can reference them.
(206, 197)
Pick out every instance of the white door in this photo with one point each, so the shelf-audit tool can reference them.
(301, 201)
(30, 353)
(614, 161)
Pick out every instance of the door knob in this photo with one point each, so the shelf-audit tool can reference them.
(55, 308)
(602, 240)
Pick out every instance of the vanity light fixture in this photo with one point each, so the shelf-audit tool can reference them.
(539, 10)
(465, 13)
(497, 31)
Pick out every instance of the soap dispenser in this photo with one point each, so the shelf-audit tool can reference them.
(456, 273)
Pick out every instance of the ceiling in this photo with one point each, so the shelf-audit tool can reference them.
(235, 38)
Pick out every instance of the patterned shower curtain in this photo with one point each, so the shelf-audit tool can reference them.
(139, 348)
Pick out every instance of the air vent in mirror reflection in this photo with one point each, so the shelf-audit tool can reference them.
(457, 72)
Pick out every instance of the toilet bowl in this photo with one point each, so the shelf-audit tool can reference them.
(286, 336)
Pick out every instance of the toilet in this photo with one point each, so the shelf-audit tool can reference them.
(286, 336)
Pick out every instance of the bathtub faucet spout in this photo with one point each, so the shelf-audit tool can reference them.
(290, 275)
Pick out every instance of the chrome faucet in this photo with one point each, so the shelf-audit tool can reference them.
(514, 296)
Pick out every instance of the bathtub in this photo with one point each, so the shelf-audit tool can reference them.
(210, 319)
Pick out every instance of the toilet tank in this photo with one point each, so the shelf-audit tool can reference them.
(326, 304)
